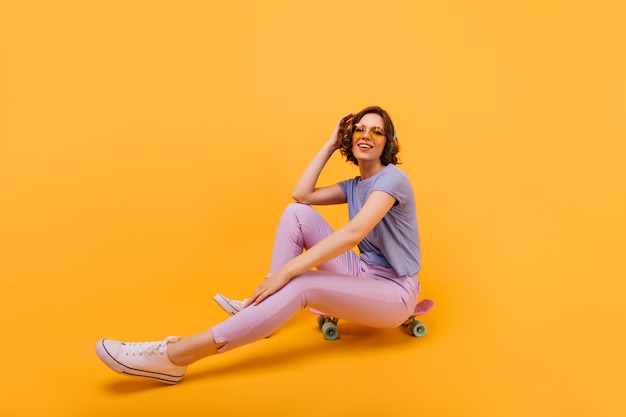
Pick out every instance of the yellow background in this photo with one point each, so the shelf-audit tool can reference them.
(147, 149)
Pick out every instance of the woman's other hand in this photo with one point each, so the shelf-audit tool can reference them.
(269, 286)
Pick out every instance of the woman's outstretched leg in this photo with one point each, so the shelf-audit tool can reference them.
(349, 297)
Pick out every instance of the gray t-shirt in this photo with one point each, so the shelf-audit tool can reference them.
(394, 242)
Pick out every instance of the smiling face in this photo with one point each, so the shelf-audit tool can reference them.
(364, 130)
(367, 143)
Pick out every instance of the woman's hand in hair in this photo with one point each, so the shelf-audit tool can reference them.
(342, 126)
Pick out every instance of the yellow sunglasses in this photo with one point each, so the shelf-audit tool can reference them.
(375, 132)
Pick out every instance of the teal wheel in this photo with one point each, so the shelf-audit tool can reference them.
(321, 320)
(330, 331)
(417, 328)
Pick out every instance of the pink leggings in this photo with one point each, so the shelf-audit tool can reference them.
(344, 287)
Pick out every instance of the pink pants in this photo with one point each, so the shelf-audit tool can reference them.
(344, 287)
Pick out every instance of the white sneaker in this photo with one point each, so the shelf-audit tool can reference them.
(232, 307)
(147, 359)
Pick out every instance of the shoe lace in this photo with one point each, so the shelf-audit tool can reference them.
(149, 348)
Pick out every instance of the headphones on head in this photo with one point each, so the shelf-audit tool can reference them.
(393, 142)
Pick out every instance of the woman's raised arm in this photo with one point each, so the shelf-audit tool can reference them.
(306, 191)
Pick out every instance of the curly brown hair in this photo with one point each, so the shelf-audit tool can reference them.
(391, 146)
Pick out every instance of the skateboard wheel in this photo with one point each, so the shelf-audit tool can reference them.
(417, 328)
(330, 330)
(320, 321)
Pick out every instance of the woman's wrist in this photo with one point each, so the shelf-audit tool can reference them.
(330, 147)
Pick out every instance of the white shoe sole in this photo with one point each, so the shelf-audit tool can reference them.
(228, 307)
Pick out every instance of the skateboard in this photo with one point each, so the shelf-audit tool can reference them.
(328, 324)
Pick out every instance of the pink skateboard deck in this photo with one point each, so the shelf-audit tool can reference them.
(423, 307)
(319, 313)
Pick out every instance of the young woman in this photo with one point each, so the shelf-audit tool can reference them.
(312, 265)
